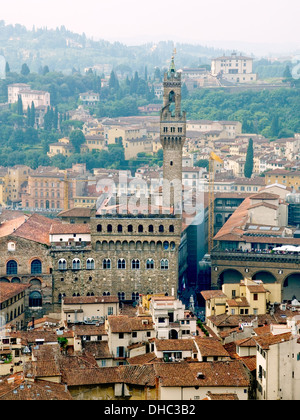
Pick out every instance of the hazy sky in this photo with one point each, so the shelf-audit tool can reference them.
(207, 22)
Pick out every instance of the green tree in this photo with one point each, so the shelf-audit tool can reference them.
(248, 169)
(25, 69)
(77, 139)
(20, 106)
(32, 115)
(7, 68)
(275, 126)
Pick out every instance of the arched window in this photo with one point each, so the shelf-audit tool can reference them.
(166, 245)
(62, 264)
(150, 229)
(99, 228)
(76, 264)
(120, 228)
(90, 264)
(135, 264)
(121, 264)
(135, 296)
(35, 300)
(109, 228)
(36, 267)
(171, 228)
(121, 295)
(161, 228)
(140, 228)
(130, 228)
(150, 264)
(164, 264)
(11, 267)
(106, 293)
(106, 264)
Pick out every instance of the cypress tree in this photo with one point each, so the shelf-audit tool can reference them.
(32, 114)
(28, 116)
(20, 106)
(248, 169)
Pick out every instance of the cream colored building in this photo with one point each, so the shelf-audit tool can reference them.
(119, 134)
(88, 309)
(171, 319)
(234, 68)
(277, 362)
(38, 97)
(228, 129)
(249, 297)
(63, 147)
(13, 183)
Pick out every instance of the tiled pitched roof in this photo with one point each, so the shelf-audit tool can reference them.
(142, 359)
(22, 389)
(212, 294)
(266, 340)
(176, 345)
(69, 228)
(36, 229)
(231, 321)
(209, 346)
(8, 290)
(214, 374)
(99, 349)
(124, 323)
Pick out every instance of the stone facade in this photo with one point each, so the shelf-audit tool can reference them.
(127, 256)
(172, 137)
(270, 268)
(28, 262)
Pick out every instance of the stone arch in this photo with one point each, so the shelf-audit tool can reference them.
(138, 245)
(35, 299)
(159, 245)
(15, 280)
(98, 246)
(4, 280)
(229, 275)
(264, 276)
(145, 246)
(36, 282)
(105, 246)
(291, 287)
(132, 246)
(111, 245)
(152, 246)
(125, 246)
(118, 245)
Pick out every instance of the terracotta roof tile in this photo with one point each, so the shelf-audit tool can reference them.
(124, 323)
(69, 228)
(36, 229)
(175, 345)
(8, 290)
(209, 346)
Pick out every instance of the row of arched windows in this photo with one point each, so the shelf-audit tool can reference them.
(140, 229)
(12, 267)
(121, 295)
(107, 265)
